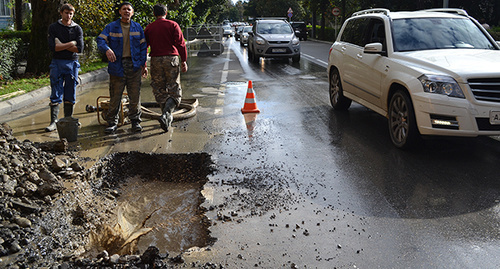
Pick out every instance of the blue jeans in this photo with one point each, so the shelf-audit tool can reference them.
(132, 80)
(63, 80)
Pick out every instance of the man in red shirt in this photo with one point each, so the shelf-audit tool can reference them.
(168, 59)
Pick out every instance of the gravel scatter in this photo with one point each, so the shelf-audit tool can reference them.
(49, 205)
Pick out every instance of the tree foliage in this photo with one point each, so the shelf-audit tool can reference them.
(93, 15)
(275, 8)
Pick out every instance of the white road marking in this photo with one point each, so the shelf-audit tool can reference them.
(316, 60)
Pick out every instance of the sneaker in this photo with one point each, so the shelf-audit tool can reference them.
(136, 126)
(111, 129)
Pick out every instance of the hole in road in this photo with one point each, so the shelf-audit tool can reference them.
(158, 203)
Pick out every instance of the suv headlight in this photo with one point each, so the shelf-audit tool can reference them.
(295, 41)
(260, 41)
(441, 85)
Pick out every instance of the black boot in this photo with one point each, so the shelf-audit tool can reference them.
(136, 126)
(54, 112)
(68, 109)
(166, 117)
(111, 129)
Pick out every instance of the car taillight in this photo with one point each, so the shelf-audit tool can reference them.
(330, 52)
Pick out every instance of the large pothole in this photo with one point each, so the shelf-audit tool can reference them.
(158, 202)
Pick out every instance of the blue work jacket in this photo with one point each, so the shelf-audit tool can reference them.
(112, 38)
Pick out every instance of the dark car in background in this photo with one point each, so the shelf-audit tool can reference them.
(237, 33)
(300, 29)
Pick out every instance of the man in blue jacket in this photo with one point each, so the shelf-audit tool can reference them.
(125, 46)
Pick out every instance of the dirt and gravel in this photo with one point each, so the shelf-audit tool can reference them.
(54, 213)
(59, 210)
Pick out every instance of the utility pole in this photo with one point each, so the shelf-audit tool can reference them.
(445, 3)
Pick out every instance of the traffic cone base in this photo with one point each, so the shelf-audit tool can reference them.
(250, 104)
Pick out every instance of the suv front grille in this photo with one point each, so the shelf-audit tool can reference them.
(487, 89)
(483, 124)
(279, 42)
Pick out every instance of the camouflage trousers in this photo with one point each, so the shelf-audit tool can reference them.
(131, 80)
(166, 79)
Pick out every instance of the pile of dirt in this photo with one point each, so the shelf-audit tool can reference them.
(50, 204)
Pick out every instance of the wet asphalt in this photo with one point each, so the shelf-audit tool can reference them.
(302, 185)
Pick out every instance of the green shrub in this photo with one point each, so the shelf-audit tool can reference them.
(8, 54)
(90, 52)
(24, 35)
(495, 33)
(329, 34)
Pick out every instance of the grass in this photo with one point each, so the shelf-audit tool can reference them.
(23, 85)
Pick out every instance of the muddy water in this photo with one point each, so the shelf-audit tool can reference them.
(158, 202)
(185, 135)
(171, 209)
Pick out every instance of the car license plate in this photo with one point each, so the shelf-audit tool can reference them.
(279, 50)
(494, 117)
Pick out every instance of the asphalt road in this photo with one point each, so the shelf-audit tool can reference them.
(307, 186)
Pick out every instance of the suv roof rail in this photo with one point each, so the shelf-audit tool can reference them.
(271, 18)
(448, 10)
(371, 11)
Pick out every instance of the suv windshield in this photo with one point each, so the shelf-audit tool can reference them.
(274, 28)
(438, 33)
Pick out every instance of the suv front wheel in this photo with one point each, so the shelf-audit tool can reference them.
(252, 57)
(402, 123)
(337, 98)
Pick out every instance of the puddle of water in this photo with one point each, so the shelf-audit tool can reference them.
(171, 209)
(159, 202)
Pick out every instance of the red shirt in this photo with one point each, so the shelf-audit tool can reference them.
(165, 39)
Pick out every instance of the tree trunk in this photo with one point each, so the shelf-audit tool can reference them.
(313, 33)
(323, 24)
(343, 12)
(18, 15)
(44, 13)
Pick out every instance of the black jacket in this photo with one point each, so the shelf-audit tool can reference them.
(65, 34)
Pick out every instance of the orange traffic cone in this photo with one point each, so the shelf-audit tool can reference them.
(250, 105)
(250, 121)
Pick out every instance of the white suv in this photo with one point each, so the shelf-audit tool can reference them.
(430, 72)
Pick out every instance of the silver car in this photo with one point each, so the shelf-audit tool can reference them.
(228, 31)
(273, 38)
(244, 35)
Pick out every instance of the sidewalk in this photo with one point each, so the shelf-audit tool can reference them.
(27, 99)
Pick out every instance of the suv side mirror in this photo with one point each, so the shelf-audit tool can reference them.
(374, 48)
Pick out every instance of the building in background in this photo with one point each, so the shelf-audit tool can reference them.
(6, 18)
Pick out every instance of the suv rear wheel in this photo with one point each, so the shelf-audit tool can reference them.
(337, 98)
(402, 122)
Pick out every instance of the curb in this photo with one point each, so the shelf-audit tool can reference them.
(27, 99)
(320, 41)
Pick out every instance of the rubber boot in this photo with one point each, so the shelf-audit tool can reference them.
(111, 129)
(68, 109)
(54, 112)
(166, 117)
(136, 126)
